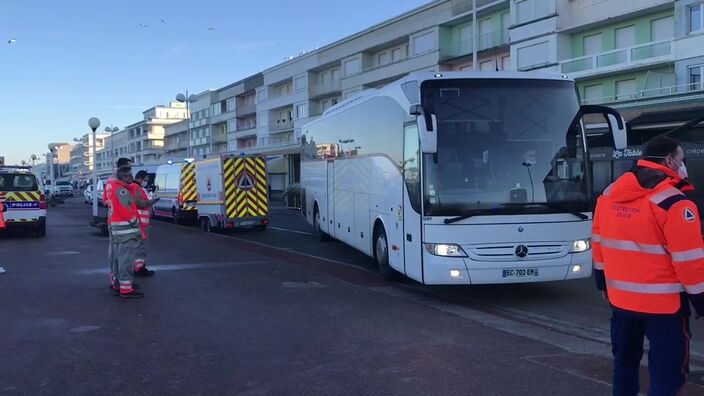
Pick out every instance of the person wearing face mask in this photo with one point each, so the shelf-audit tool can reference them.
(141, 179)
(125, 232)
(649, 264)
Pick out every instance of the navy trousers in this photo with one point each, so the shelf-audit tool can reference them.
(668, 358)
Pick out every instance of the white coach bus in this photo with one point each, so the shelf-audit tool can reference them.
(458, 177)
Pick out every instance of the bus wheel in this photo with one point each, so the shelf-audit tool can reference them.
(381, 254)
(176, 216)
(316, 225)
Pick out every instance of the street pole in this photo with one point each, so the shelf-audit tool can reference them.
(474, 35)
(187, 99)
(51, 171)
(94, 123)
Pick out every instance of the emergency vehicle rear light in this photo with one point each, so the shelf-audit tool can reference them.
(180, 198)
(265, 222)
(230, 224)
(42, 201)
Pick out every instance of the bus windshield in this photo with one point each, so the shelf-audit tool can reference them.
(504, 145)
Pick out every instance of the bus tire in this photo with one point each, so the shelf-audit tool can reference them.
(316, 225)
(381, 254)
(176, 216)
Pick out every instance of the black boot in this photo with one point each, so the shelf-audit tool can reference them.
(133, 294)
(144, 272)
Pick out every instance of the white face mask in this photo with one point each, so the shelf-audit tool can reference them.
(682, 170)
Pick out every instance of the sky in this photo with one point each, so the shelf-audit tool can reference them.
(75, 59)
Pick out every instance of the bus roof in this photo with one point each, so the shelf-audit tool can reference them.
(419, 77)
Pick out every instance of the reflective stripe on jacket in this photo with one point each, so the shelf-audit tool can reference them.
(647, 240)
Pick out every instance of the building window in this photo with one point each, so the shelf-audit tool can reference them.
(625, 37)
(695, 13)
(300, 83)
(487, 65)
(592, 93)
(527, 10)
(230, 105)
(383, 59)
(335, 73)
(506, 63)
(533, 55)
(625, 89)
(694, 74)
(323, 77)
(352, 67)
(423, 44)
(592, 44)
(301, 111)
(396, 55)
(662, 29)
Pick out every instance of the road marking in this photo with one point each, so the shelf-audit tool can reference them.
(65, 252)
(85, 329)
(179, 267)
(290, 230)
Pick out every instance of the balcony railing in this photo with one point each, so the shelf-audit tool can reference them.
(485, 41)
(274, 142)
(619, 57)
(220, 138)
(327, 88)
(245, 110)
(281, 125)
(649, 93)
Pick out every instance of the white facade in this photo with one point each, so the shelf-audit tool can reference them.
(82, 154)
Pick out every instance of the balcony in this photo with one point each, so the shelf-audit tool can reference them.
(245, 110)
(496, 38)
(220, 138)
(329, 88)
(617, 60)
(290, 143)
(245, 131)
(281, 126)
(676, 93)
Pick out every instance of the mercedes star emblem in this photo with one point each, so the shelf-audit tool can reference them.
(521, 251)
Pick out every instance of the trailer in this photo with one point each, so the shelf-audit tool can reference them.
(232, 192)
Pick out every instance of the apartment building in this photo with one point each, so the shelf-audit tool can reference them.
(81, 162)
(633, 55)
(142, 141)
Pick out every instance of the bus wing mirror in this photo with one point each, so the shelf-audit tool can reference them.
(428, 134)
(617, 125)
(618, 130)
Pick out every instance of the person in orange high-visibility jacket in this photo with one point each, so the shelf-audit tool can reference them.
(649, 262)
(125, 232)
(144, 213)
(107, 197)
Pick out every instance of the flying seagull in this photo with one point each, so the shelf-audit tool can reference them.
(162, 21)
(12, 40)
(210, 28)
(142, 25)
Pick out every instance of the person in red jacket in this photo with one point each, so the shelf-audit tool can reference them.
(649, 263)
(3, 209)
(144, 205)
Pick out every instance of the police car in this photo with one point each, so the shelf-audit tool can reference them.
(26, 204)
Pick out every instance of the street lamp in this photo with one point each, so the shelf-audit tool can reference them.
(110, 130)
(33, 158)
(188, 99)
(94, 123)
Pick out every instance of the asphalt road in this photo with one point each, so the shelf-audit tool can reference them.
(226, 314)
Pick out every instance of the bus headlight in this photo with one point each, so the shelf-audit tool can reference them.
(445, 250)
(581, 245)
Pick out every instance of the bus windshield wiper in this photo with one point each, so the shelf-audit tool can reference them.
(479, 212)
(551, 205)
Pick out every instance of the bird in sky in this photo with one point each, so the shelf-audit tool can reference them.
(210, 28)
(142, 25)
(162, 21)
(12, 40)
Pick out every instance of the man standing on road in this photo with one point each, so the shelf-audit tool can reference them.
(107, 200)
(125, 231)
(649, 256)
(143, 208)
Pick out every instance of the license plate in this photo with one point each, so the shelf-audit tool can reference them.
(247, 223)
(520, 272)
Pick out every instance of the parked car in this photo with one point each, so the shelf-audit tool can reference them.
(62, 188)
(87, 194)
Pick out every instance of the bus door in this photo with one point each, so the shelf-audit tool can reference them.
(411, 218)
(330, 210)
